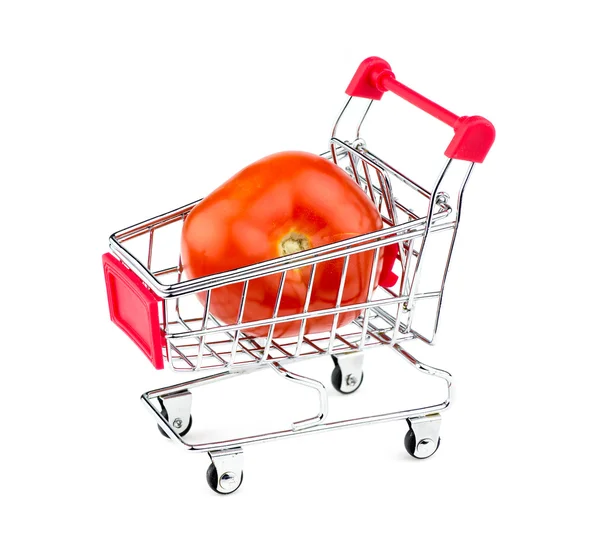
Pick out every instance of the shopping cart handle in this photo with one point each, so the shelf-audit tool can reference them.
(473, 136)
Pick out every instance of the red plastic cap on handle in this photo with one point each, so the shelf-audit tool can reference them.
(134, 308)
(473, 136)
(365, 82)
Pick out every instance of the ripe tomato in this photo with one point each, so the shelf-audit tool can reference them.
(279, 205)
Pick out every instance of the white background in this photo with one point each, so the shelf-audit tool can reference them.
(112, 112)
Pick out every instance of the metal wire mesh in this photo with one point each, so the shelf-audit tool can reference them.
(196, 339)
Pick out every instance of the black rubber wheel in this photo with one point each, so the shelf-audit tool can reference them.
(183, 433)
(213, 479)
(336, 380)
(410, 443)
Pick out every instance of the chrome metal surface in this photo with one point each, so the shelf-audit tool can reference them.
(178, 407)
(311, 383)
(451, 248)
(422, 220)
(427, 433)
(350, 365)
(230, 466)
(417, 274)
(149, 397)
(403, 232)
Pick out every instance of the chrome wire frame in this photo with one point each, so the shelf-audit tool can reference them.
(315, 424)
(198, 340)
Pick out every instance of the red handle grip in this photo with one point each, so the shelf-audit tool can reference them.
(473, 136)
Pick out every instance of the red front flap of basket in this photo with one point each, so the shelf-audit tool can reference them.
(134, 308)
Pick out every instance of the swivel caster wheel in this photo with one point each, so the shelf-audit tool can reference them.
(422, 439)
(177, 424)
(426, 448)
(226, 484)
(225, 474)
(347, 375)
(175, 408)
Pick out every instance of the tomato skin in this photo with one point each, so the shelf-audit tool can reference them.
(286, 198)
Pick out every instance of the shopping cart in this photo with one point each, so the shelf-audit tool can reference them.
(154, 303)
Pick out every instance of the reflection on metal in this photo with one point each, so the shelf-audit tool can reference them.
(422, 222)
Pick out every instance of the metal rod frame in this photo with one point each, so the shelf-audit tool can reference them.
(385, 320)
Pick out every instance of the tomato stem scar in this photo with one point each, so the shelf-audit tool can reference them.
(293, 242)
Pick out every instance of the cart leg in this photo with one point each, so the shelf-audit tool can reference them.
(176, 409)
(311, 383)
(225, 474)
(423, 437)
(347, 375)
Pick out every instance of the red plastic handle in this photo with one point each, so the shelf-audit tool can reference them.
(473, 136)
(134, 308)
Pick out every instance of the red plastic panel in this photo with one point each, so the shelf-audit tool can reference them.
(387, 278)
(134, 308)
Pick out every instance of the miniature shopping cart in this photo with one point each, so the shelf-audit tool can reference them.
(154, 303)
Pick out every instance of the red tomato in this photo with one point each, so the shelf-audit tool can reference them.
(282, 204)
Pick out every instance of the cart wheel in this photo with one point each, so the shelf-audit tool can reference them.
(410, 443)
(336, 381)
(228, 483)
(163, 412)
